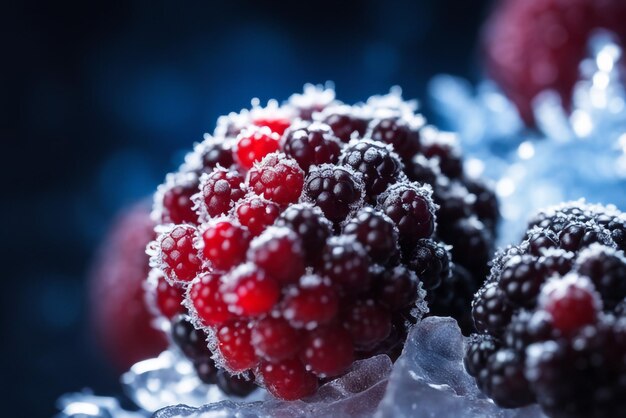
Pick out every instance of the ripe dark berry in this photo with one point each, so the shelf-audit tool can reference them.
(401, 133)
(234, 385)
(235, 347)
(345, 121)
(521, 279)
(397, 288)
(288, 379)
(250, 291)
(312, 227)
(504, 381)
(368, 323)
(376, 232)
(540, 240)
(277, 178)
(255, 143)
(377, 162)
(207, 300)
(219, 191)
(256, 213)
(345, 263)
(206, 370)
(486, 203)
(423, 170)
(479, 348)
(577, 235)
(491, 310)
(607, 270)
(571, 302)
(278, 251)
(338, 191)
(454, 298)
(173, 203)
(327, 351)
(315, 98)
(169, 297)
(274, 339)
(454, 200)
(224, 244)
(472, 244)
(313, 302)
(175, 254)
(209, 154)
(527, 328)
(190, 341)
(430, 260)
(311, 144)
(411, 208)
(443, 147)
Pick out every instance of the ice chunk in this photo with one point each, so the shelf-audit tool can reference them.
(356, 394)
(429, 380)
(87, 405)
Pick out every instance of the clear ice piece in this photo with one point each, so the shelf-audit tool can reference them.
(429, 379)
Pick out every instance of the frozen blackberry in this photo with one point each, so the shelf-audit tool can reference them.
(479, 348)
(411, 207)
(377, 162)
(312, 227)
(454, 298)
(527, 328)
(344, 121)
(173, 203)
(504, 381)
(490, 310)
(402, 134)
(430, 260)
(539, 240)
(486, 203)
(423, 170)
(397, 288)
(521, 280)
(577, 235)
(376, 232)
(443, 146)
(208, 155)
(582, 380)
(311, 144)
(472, 244)
(338, 191)
(206, 370)
(345, 263)
(192, 342)
(607, 270)
(235, 385)
(454, 200)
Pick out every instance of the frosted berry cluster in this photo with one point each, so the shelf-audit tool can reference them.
(550, 318)
(300, 237)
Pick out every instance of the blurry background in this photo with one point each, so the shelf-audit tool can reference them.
(99, 102)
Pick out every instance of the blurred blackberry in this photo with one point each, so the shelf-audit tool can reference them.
(454, 200)
(423, 170)
(402, 134)
(490, 310)
(504, 381)
(211, 153)
(206, 370)
(344, 121)
(527, 328)
(396, 288)
(443, 147)
(430, 260)
(472, 244)
(607, 270)
(191, 341)
(479, 348)
(311, 144)
(454, 298)
(587, 379)
(235, 385)
(486, 203)
(378, 164)
(376, 232)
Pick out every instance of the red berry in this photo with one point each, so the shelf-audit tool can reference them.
(274, 339)
(225, 244)
(328, 351)
(255, 143)
(367, 322)
(233, 342)
(169, 298)
(536, 45)
(249, 291)
(207, 300)
(276, 124)
(311, 303)
(174, 197)
(256, 213)
(279, 252)
(277, 178)
(288, 379)
(572, 302)
(176, 254)
(219, 191)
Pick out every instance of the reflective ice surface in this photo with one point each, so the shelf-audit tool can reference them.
(571, 155)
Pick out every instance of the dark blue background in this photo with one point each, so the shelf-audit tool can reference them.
(100, 101)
